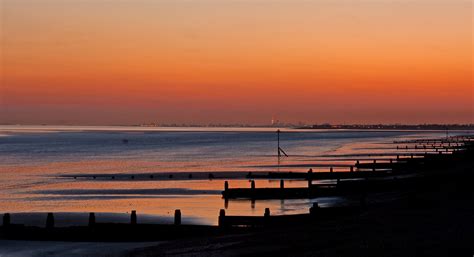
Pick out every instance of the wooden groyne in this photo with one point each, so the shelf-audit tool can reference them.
(373, 176)
(316, 214)
(135, 231)
(103, 231)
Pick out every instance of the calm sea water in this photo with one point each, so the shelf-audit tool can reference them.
(38, 166)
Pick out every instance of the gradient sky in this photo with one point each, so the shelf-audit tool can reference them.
(236, 61)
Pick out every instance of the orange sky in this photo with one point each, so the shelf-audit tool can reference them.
(236, 61)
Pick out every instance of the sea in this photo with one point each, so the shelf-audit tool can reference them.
(74, 170)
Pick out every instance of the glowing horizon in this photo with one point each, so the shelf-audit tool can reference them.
(236, 61)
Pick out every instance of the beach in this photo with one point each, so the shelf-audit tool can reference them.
(154, 173)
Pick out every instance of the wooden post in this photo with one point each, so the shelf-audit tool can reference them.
(391, 161)
(352, 168)
(91, 219)
(411, 155)
(50, 220)
(221, 222)
(267, 213)
(314, 209)
(6, 219)
(226, 186)
(133, 218)
(330, 169)
(177, 217)
(252, 184)
(310, 177)
(282, 184)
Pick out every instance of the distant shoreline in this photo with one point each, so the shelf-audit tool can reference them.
(136, 128)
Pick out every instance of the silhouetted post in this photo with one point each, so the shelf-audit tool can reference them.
(391, 161)
(398, 157)
(411, 155)
(226, 186)
(357, 162)
(177, 217)
(352, 168)
(252, 184)
(310, 177)
(91, 219)
(226, 203)
(133, 218)
(282, 184)
(375, 161)
(221, 218)
(330, 169)
(50, 220)
(314, 209)
(267, 213)
(6, 219)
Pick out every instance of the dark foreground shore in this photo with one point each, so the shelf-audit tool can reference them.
(435, 222)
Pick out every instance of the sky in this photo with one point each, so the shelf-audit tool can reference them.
(123, 62)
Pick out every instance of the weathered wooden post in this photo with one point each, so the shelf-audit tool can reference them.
(133, 218)
(6, 219)
(91, 219)
(177, 217)
(50, 220)
(310, 177)
(314, 209)
(282, 184)
(267, 213)
(221, 221)
(226, 185)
